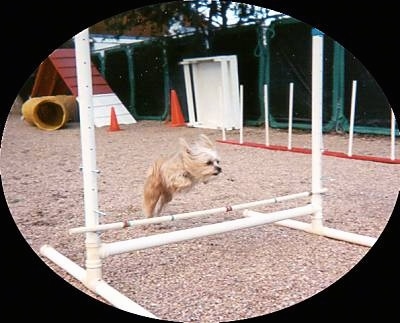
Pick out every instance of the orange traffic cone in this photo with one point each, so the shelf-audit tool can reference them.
(114, 126)
(177, 119)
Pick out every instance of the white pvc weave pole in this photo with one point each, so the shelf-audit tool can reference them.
(352, 112)
(221, 108)
(290, 123)
(392, 136)
(266, 112)
(241, 115)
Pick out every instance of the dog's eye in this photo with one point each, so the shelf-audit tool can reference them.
(210, 162)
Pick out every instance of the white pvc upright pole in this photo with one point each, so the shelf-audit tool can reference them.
(266, 112)
(221, 105)
(352, 112)
(241, 115)
(92, 276)
(290, 125)
(317, 104)
(88, 147)
(392, 136)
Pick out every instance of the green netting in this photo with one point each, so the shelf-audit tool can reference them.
(150, 95)
(289, 56)
(143, 74)
(372, 114)
(96, 60)
(243, 45)
(139, 77)
(290, 62)
(116, 72)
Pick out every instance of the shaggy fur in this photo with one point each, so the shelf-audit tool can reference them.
(178, 173)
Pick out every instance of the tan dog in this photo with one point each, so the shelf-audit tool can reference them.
(179, 173)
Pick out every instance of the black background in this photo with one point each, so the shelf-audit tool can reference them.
(30, 32)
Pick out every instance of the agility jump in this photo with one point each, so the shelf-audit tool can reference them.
(96, 250)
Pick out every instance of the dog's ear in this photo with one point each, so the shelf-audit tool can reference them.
(184, 146)
(206, 142)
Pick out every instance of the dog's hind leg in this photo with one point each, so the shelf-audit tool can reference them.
(149, 207)
(151, 196)
(165, 198)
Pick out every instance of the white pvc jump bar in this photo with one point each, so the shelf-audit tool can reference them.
(181, 216)
(100, 287)
(114, 248)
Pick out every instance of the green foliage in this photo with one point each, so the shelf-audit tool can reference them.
(200, 15)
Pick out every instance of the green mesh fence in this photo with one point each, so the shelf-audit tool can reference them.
(143, 74)
(290, 62)
(116, 72)
(243, 45)
(139, 77)
(372, 109)
(150, 84)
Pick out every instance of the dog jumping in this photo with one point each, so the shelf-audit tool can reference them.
(178, 173)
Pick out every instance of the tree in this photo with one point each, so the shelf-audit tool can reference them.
(180, 17)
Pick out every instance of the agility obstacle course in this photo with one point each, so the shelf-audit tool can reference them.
(348, 155)
(97, 251)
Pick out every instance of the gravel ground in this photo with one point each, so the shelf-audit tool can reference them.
(225, 277)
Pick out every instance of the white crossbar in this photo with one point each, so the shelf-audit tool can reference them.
(187, 215)
(113, 248)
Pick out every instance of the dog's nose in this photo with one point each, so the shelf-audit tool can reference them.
(219, 169)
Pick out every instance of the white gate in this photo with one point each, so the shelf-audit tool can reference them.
(212, 91)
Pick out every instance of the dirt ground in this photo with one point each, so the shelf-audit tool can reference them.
(225, 277)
